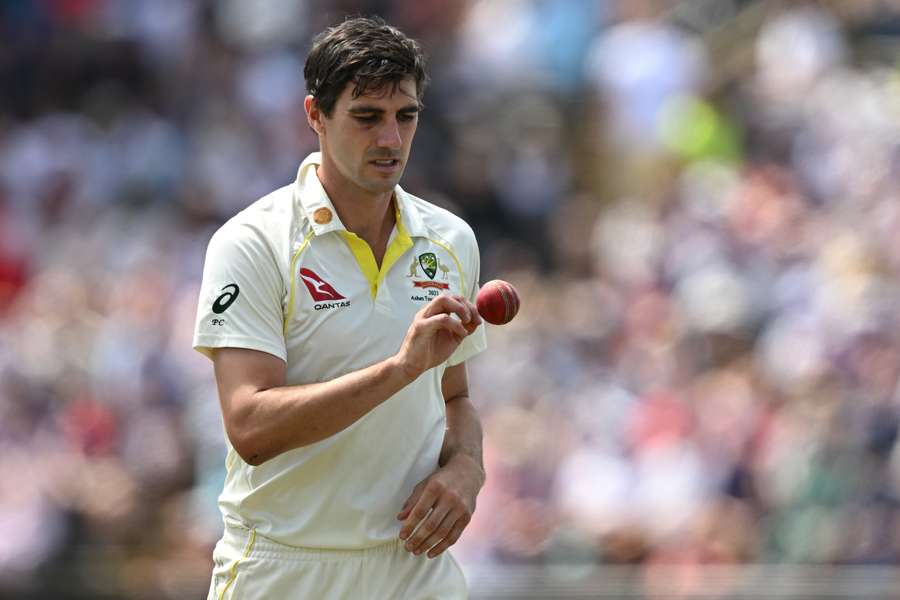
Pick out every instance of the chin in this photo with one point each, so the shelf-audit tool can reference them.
(381, 186)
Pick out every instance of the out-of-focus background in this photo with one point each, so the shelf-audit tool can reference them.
(698, 200)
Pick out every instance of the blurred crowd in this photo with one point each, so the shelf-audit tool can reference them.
(698, 202)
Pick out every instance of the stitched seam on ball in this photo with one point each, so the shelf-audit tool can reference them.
(504, 293)
(513, 305)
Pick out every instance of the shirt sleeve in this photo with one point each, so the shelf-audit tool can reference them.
(476, 341)
(240, 304)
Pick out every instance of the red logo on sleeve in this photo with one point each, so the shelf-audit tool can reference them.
(320, 290)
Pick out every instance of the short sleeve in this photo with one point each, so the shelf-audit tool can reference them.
(476, 341)
(240, 302)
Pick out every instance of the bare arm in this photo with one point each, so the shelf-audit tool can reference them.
(264, 417)
(441, 506)
(462, 440)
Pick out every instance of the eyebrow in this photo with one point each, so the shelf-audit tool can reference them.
(410, 108)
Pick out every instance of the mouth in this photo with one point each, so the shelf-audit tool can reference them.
(387, 165)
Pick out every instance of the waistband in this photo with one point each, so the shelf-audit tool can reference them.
(252, 543)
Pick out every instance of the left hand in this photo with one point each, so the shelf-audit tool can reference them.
(449, 495)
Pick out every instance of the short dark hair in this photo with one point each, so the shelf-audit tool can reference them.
(366, 51)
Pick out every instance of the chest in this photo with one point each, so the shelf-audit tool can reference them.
(339, 317)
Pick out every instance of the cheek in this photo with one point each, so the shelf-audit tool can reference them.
(407, 142)
(348, 149)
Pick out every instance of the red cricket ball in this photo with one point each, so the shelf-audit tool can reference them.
(497, 302)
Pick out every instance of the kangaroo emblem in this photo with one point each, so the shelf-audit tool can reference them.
(414, 268)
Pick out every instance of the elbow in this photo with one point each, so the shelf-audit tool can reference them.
(249, 449)
(251, 444)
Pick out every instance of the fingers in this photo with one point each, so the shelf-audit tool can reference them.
(445, 321)
(419, 511)
(435, 528)
(432, 527)
(451, 538)
(475, 318)
(410, 502)
(436, 519)
(458, 305)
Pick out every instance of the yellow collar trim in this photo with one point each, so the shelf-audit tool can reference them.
(361, 250)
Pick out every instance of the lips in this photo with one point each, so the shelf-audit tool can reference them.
(386, 164)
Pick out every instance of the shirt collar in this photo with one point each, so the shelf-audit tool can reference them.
(312, 198)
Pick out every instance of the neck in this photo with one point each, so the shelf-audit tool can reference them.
(369, 215)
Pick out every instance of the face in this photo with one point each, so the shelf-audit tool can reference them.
(366, 141)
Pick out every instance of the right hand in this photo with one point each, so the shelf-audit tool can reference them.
(434, 334)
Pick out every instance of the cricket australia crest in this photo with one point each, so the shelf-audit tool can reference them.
(429, 263)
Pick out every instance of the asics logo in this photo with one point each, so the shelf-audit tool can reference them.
(229, 295)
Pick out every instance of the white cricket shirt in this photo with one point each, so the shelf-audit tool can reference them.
(284, 276)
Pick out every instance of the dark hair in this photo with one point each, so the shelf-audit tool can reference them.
(366, 51)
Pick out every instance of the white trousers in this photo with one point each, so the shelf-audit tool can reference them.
(250, 567)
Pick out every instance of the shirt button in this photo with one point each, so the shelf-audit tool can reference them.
(322, 216)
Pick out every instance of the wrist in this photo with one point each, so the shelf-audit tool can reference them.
(466, 461)
(402, 370)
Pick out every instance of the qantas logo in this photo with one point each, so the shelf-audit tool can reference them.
(320, 290)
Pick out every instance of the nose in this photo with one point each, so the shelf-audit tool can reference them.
(389, 135)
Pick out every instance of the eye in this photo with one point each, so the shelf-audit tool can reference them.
(406, 117)
(366, 119)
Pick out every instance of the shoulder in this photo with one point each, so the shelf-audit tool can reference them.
(265, 223)
(444, 224)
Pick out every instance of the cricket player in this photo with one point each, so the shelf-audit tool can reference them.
(338, 313)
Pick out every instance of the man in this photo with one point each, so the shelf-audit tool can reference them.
(354, 455)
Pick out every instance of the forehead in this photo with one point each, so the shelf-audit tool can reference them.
(401, 92)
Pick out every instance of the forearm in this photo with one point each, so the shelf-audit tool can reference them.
(279, 419)
(463, 436)
(264, 418)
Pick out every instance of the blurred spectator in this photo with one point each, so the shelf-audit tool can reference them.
(705, 368)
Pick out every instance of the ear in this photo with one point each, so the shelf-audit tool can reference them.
(314, 117)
